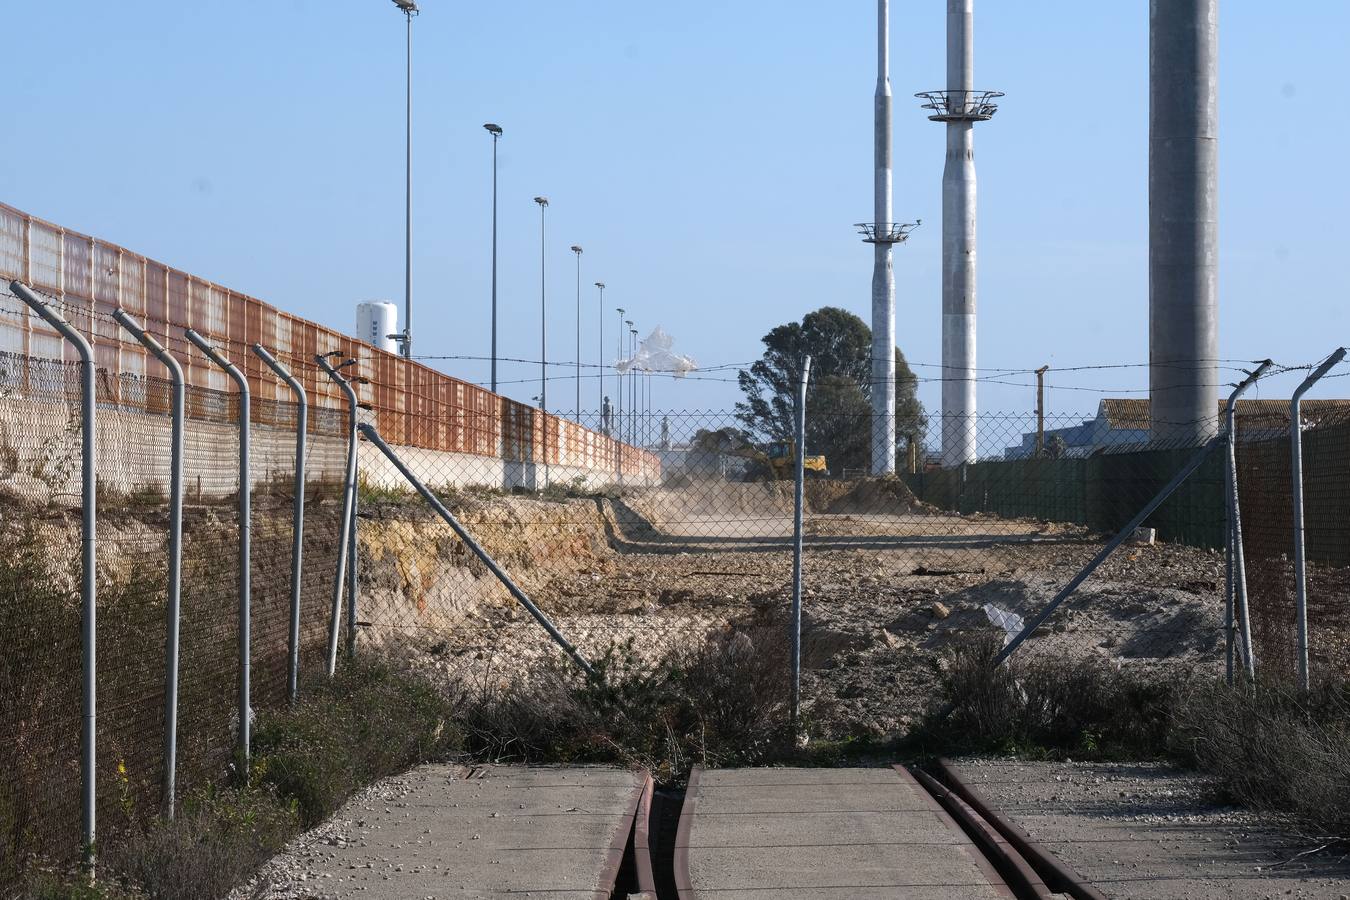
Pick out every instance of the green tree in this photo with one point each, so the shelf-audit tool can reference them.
(838, 400)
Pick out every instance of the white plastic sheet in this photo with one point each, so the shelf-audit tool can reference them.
(657, 354)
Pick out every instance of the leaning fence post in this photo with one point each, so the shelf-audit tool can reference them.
(174, 612)
(798, 497)
(346, 567)
(88, 560)
(477, 550)
(1300, 550)
(1124, 534)
(1238, 587)
(245, 525)
(297, 517)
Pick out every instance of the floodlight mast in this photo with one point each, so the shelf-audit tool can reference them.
(883, 234)
(959, 107)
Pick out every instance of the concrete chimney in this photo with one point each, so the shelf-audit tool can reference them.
(1183, 123)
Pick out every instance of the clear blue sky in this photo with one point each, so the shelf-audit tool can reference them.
(711, 158)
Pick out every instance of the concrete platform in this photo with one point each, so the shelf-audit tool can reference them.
(449, 831)
(1145, 831)
(823, 834)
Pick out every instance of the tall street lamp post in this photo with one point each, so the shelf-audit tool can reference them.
(409, 8)
(601, 358)
(496, 132)
(543, 312)
(576, 248)
(618, 418)
(632, 385)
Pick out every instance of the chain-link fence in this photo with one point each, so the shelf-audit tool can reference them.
(649, 558)
(40, 607)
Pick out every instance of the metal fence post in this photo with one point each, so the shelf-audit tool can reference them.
(1124, 534)
(178, 404)
(798, 498)
(346, 568)
(474, 547)
(88, 561)
(1300, 550)
(245, 554)
(1229, 568)
(297, 517)
(1238, 587)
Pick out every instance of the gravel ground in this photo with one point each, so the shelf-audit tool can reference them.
(1144, 831)
(885, 596)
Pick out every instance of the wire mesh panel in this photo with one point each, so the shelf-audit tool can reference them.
(1265, 488)
(40, 694)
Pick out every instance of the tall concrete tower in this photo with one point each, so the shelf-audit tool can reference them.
(960, 106)
(1183, 233)
(883, 234)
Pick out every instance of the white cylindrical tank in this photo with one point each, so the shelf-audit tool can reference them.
(376, 323)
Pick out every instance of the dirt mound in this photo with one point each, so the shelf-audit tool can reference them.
(771, 498)
(872, 495)
(713, 498)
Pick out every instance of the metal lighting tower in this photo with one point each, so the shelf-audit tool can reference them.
(1183, 247)
(601, 358)
(883, 234)
(960, 106)
(496, 132)
(543, 312)
(410, 9)
(576, 248)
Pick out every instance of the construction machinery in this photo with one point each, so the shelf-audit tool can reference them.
(783, 458)
(769, 462)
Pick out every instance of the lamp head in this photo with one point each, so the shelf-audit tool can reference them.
(542, 201)
(600, 285)
(408, 6)
(576, 248)
(493, 129)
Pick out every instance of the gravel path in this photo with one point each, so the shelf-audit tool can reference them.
(1150, 832)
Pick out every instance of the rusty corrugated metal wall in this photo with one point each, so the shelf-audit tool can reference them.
(413, 405)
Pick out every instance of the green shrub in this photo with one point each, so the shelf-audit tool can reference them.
(1062, 706)
(368, 722)
(216, 841)
(719, 702)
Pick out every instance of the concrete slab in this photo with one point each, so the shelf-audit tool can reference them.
(836, 833)
(446, 831)
(1145, 831)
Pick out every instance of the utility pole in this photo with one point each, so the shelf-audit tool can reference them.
(1040, 410)
(959, 107)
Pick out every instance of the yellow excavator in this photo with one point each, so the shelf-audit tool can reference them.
(774, 461)
(783, 457)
